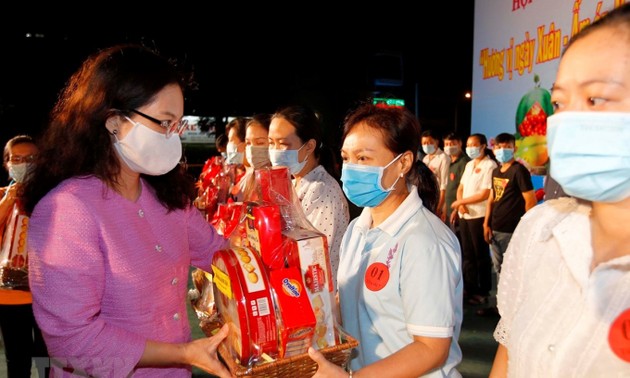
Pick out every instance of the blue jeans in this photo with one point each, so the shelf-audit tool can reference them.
(498, 246)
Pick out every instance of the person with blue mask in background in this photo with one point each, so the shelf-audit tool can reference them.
(400, 279)
(564, 292)
(295, 141)
(470, 209)
(511, 195)
(439, 163)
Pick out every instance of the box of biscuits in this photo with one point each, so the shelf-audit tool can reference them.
(308, 251)
(243, 298)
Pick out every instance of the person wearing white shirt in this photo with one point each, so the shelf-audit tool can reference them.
(400, 279)
(439, 163)
(472, 196)
(564, 291)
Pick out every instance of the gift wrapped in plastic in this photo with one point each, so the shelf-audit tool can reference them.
(274, 286)
(13, 252)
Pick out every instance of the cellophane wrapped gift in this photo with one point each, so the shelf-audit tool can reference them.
(273, 286)
(13, 252)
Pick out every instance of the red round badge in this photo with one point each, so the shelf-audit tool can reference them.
(477, 170)
(376, 276)
(452, 176)
(619, 336)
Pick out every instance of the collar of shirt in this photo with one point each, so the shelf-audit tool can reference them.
(395, 221)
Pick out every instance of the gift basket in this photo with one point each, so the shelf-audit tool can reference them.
(273, 286)
(13, 253)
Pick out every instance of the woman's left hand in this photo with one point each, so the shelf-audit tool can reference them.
(326, 368)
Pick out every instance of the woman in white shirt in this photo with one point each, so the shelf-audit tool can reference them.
(472, 198)
(400, 279)
(295, 141)
(564, 292)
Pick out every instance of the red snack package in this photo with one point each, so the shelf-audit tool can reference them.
(296, 320)
(264, 227)
(243, 298)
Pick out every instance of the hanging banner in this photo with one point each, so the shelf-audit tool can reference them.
(516, 52)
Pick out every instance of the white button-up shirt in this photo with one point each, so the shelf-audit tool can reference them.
(557, 314)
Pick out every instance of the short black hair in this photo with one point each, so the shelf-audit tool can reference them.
(504, 138)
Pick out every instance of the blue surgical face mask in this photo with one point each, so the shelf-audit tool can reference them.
(473, 152)
(362, 183)
(504, 155)
(589, 154)
(428, 148)
(287, 158)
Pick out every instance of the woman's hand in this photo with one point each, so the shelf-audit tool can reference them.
(202, 353)
(326, 368)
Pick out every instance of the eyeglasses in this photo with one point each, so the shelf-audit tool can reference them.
(22, 159)
(171, 127)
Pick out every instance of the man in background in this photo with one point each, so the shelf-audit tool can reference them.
(512, 195)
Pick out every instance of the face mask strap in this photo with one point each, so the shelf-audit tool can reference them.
(382, 172)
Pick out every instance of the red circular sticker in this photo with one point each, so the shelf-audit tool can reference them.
(619, 336)
(376, 276)
(452, 176)
(477, 170)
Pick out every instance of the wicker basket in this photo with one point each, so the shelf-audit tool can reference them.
(296, 366)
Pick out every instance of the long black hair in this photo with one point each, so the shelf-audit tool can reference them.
(77, 143)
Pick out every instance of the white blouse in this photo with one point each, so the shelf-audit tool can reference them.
(326, 207)
(556, 314)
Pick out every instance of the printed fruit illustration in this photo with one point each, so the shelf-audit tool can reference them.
(533, 110)
(532, 151)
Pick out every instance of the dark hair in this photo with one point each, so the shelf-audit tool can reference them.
(262, 119)
(453, 136)
(505, 138)
(430, 134)
(221, 141)
(308, 126)
(238, 124)
(77, 143)
(19, 139)
(401, 133)
(618, 17)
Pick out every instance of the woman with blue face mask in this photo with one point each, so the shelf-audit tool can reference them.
(295, 141)
(400, 282)
(470, 208)
(564, 291)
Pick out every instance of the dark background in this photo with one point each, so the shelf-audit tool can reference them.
(240, 65)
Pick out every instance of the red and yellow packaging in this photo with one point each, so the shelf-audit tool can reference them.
(296, 318)
(264, 226)
(243, 298)
(308, 251)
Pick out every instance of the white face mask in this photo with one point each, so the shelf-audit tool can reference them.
(288, 158)
(257, 156)
(147, 151)
(18, 171)
(233, 156)
(451, 150)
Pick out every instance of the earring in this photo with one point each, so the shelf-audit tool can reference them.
(402, 175)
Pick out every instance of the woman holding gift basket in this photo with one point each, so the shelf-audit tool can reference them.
(112, 230)
(399, 279)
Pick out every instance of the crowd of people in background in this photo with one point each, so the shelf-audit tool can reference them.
(112, 230)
